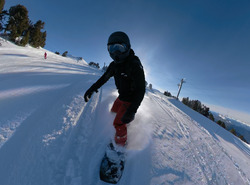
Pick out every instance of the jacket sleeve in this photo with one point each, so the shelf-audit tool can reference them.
(105, 77)
(139, 87)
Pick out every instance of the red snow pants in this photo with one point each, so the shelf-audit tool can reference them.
(120, 107)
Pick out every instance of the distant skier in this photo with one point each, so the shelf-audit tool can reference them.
(45, 55)
(129, 80)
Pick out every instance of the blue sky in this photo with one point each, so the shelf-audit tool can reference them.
(204, 41)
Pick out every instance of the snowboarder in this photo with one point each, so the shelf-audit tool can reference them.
(45, 55)
(129, 78)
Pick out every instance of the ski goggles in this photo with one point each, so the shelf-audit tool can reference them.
(112, 48)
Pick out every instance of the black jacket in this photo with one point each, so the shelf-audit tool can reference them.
(129, 80)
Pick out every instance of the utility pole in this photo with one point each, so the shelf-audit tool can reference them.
(180, 86)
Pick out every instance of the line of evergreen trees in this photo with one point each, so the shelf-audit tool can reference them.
(202, 109)
(166, 93)
(64, 54)
(233, 131)
(197, 106)
(94, 64)
(20, 29)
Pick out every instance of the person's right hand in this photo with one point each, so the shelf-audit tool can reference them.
(128, 117)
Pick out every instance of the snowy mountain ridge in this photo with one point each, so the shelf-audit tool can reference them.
(235, 119)
(241, 128)
(49, 135)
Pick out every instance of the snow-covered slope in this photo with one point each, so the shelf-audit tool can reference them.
(49, 135)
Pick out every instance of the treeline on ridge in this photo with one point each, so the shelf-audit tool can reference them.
(202, 109)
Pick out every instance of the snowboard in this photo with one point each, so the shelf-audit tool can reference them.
(112, 165)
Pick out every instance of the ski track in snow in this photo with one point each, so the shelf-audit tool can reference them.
(203, 151)
(8, 127)
(49, 135)
(69, 165)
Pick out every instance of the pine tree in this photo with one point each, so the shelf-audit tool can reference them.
(211, 116)
(219, 122)
(166, 93)
(233, 131)
(242, 138)
(65, 54)
(3, 16)
(2, 2)
(185, 100)
(37, 38)
(18, 21)
(94, 64)
(2, 13)
(25, 39)
(223, 125)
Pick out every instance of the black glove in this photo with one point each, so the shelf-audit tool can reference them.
(89, 93)
(128, 117)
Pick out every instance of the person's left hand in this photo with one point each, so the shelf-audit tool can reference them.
(89, 93)
(128, 117)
